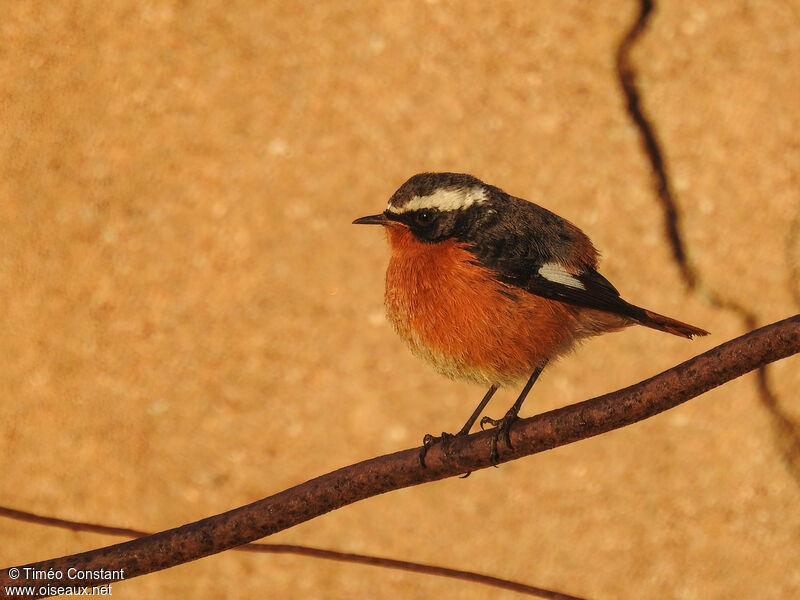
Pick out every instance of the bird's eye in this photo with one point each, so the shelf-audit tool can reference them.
(423, 217)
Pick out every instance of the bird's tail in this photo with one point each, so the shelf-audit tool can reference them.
(654, 320)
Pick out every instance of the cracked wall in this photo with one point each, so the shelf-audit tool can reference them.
(190, 322)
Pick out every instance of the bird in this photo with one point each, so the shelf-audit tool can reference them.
(490, 288)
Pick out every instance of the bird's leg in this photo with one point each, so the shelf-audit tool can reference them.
(504, 425)
(429, 440)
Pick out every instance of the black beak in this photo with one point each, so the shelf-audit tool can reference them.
(372, 220)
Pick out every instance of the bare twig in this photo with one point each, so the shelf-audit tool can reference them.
(323, 553)
(402, 469)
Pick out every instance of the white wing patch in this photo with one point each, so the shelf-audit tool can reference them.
(445, 200)
(558, 274)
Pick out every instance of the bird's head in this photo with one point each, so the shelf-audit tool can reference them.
(434, 206)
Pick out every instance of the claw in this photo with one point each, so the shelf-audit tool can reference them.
(489, 421)
(503, 427)
(429, 440)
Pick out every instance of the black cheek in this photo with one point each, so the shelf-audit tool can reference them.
(443, 227)
(425, 233)
(453, 226)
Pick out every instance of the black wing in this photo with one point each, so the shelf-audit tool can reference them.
(535, 250)
(527, 238)
(589, 288)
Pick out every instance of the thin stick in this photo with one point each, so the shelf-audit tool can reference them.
(323, 553)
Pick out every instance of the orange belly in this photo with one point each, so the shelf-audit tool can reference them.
(468, 325)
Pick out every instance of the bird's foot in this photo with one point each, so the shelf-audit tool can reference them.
(429, 440)
(503, 427)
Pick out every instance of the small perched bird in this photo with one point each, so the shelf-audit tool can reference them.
(488, 287)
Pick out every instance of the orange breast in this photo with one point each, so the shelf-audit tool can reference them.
(454, 314)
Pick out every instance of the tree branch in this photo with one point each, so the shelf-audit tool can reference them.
(402, 469)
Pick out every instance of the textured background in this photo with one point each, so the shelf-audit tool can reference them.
(188, 321)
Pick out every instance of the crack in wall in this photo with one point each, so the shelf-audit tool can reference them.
(627, 79)
(787, 432)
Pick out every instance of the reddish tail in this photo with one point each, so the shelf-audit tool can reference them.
(656, 321)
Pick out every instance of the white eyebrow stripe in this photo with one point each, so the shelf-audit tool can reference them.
(556, 273)
(445, 200)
